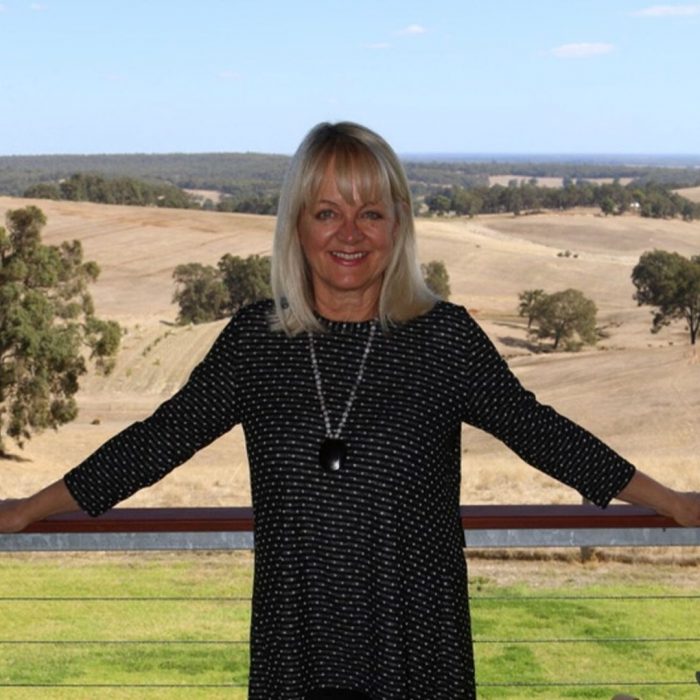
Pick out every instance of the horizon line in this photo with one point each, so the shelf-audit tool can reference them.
(408, 155)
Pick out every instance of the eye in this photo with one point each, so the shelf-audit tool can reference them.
(372, 215)
(324, 214)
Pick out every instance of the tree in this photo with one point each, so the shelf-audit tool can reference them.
(438, 203)
(688, 210)
(466, 202)
(252, 204)
(436, 277)
(46, 320)
(528, 304)
(207, 293)
(246, 280)
(43, 190)
(513, 198)
(568, 317)
(671, 283)
(607, 206)
(201, 294)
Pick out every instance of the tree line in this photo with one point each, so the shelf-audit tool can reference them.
(248, 200)
(227, 172)
(213, 171)
(253, 197)
(206, 171)
(649, 200)
(87, 187)
(674, 171)
(246, 197)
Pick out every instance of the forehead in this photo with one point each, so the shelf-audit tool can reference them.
(350, 191)
(352, 176)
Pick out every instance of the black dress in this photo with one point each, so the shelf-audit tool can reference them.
(360, 577)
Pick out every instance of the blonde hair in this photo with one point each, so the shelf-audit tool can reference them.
(362, 161)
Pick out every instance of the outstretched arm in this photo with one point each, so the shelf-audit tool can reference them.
(143, 453)
(496, 402)
(147, 450)
(642, 490)
(15, 515)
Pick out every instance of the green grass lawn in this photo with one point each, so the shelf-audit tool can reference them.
(150, 619)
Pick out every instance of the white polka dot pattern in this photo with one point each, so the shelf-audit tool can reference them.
(360, 578)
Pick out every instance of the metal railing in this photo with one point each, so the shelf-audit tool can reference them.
(232, 528)
(486, 527)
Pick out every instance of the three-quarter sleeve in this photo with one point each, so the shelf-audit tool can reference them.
(495, 401)
(202, 410)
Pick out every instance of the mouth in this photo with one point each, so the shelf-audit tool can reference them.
(341, 256)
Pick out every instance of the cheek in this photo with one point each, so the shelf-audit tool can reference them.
(312, 243)
(314, 234)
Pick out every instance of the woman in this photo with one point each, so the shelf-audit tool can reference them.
(351, 387)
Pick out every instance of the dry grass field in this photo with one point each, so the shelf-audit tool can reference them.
(638, 391)
(691, 193)
(549, 181)
(214, 195)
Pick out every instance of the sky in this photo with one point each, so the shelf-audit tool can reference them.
(447, 76)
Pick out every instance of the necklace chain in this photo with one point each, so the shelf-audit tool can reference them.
(319, 388)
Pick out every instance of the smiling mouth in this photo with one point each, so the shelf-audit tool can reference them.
(348, 256)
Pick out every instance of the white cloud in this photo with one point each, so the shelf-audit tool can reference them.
(378, 45)
(413, 30)
(3, 8)
(668, 11)
(582, 50)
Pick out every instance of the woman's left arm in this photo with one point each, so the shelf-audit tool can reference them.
(495, 401)
(642, 490)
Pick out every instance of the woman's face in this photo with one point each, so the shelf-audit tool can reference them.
(347, 246)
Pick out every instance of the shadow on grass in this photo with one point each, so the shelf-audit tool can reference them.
(12, 457)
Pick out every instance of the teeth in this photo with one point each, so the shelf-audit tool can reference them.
(349, 256)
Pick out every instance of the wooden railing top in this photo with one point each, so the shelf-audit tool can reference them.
(476, 517)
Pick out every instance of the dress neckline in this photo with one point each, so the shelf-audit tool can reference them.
(345, 326)
(362, 327)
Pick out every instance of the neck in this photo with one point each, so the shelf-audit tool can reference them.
(351, 308)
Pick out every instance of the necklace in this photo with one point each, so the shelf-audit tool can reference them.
(334, 451)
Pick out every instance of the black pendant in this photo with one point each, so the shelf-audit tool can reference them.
(332, 454)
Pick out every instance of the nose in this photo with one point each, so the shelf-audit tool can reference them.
(349, 231)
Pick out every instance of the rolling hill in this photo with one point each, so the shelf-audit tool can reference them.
(637, 391)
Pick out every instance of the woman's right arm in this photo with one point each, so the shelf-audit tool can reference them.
(143, 453)
(16, 514)
(147, 450)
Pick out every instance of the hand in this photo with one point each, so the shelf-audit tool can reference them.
(11, 515)
(16, 514)
(683, 507)
(686, 509)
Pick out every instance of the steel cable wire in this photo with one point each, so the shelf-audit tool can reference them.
(244, 599)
